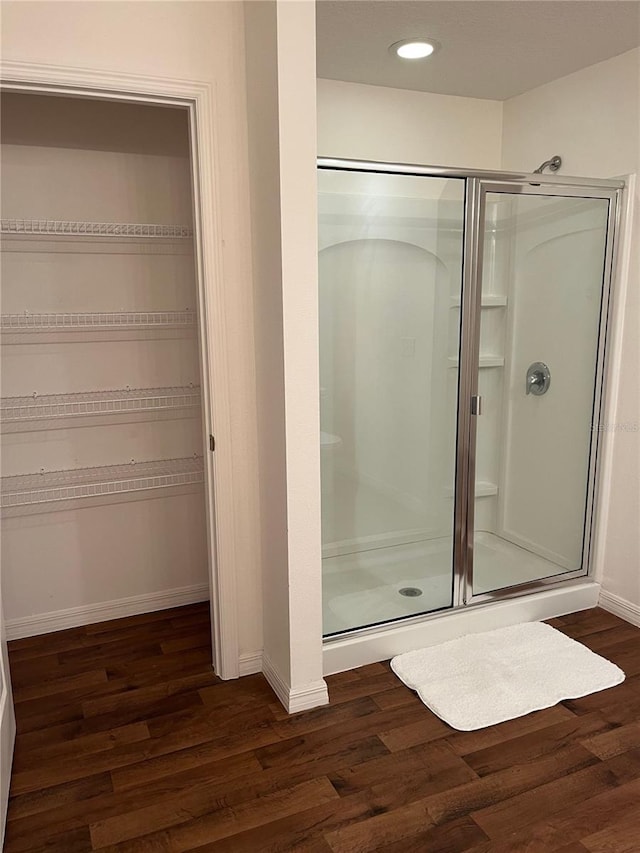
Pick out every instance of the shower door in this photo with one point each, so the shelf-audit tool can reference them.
(535, 316)
(462, 336)
(390, 283)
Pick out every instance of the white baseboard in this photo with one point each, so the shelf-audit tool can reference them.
(620, 607)
(73, 617)
(296, 699)
(311, 696)
(277, 684)
(250, 663)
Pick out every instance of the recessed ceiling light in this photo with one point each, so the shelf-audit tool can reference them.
(414, 48)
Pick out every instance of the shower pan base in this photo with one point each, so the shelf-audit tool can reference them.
(366, 587)
(345, 653)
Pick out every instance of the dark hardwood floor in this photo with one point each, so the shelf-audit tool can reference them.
(128, 742)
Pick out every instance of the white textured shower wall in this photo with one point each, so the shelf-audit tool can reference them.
(592, 118)
(387, 288)
(390, 281)
(552, 259)
(407, 455)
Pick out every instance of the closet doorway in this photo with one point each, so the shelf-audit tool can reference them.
(107, 433)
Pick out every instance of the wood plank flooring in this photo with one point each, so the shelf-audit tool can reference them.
(128, 742)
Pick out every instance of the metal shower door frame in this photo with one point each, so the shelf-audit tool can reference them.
(478, 183)
(468, 405)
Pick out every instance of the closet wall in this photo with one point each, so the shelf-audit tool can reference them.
(100, 364)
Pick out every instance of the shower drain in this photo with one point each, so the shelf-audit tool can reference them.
(410, 591)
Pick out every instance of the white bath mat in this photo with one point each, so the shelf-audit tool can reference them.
(483, 679)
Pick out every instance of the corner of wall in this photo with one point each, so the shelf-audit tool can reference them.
(266, 249)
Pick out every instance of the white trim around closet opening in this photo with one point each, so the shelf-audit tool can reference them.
(200, 100)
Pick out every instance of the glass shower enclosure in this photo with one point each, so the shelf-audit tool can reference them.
(462, 340)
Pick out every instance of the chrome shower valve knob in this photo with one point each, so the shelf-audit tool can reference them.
(538, 379)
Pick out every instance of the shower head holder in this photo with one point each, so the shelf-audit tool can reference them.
(553, 165)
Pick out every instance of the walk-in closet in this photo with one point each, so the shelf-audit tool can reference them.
(103, 499)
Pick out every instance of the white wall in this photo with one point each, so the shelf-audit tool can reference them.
(299, 224)
(592, 119)
(264, 165)
(282, 147)
(379, 123)
(192, 41)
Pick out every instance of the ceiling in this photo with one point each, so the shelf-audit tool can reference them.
(489, 48)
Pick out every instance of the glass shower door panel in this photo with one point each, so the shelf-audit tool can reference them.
(390, 272)
(542, 286)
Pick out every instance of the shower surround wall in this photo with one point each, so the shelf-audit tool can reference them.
(553, 276)
(390, 313)
(389, 271)
(388, 290)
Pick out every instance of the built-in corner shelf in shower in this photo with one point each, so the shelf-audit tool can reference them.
(488, 301)
(484, 489)
(485, 361)
(55, 490)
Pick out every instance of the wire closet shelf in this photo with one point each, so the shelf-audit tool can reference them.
(24, 490)
(85, 403)
(82, 322)
(65, 228)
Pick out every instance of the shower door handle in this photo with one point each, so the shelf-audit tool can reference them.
(476, 405)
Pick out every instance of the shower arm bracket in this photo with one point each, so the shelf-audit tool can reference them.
(553, 165)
